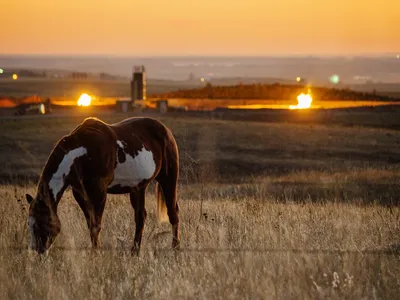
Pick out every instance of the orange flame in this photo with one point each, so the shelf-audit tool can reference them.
(84, 100)
(303, 101)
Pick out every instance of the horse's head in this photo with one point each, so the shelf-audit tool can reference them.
(43, 222)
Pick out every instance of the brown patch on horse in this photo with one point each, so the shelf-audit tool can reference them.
(121, 155)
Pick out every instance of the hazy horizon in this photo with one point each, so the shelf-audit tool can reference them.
(354, 69)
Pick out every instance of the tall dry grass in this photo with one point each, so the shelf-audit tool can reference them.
(247, 249)
(267, 212)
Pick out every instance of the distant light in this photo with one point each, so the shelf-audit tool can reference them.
(202, 79)
(398, 57)
(298, 79)
(15, 76)
(334, 79)
(84, 100)
(303, 101)
(1, 71)
(42, 109)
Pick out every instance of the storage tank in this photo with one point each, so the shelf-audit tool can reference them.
(138, 84)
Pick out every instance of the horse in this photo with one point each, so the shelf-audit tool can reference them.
(97, 159)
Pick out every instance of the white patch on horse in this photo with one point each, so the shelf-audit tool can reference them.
(134, 169)
(119, 143)
(31, 223)
(56, 183)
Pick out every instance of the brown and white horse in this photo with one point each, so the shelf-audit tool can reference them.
(97, 158)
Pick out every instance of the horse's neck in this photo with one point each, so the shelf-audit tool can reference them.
(57, 186)
(51, 191)
(45, 195)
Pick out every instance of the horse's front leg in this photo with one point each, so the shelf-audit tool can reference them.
(98, 201)
(93, 207)
(95, 235)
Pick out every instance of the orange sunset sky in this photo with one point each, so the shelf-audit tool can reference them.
(204, 27)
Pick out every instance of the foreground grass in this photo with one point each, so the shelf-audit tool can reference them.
(250, 249)
(268, 211)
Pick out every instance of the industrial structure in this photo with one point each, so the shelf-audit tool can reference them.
(162, 106)
(34, 107)
(138, 84)
(138, 91)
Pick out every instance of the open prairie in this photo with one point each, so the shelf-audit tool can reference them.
(268, 211)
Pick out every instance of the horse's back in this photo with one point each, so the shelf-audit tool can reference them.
(145, 131)
(140, 125)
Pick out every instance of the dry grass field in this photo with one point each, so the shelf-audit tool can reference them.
(268, 211)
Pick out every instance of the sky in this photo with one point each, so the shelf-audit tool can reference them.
(204, 27)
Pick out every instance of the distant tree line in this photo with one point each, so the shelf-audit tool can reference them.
(23, 73)
(272, 92)
(79, 75)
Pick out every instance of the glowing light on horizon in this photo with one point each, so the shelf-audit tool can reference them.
(42, 109)
(334, 79)
(84, 100)
(298, 79)
(1, 71)
(303, 101)
(15, 76)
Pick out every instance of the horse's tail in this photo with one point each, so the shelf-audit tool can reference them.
(162, 214)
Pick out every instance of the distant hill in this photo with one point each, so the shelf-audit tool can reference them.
(272, 91)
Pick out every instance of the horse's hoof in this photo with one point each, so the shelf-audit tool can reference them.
(135, 250)
(176, 245)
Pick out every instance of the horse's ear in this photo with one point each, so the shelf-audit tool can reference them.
(29, 198)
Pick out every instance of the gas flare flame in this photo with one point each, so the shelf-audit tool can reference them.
(304, 101)
(84, 100)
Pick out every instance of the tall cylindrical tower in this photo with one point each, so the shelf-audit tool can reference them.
(138, 84)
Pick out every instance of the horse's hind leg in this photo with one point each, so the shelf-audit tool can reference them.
(138, 203)
(168, 185)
